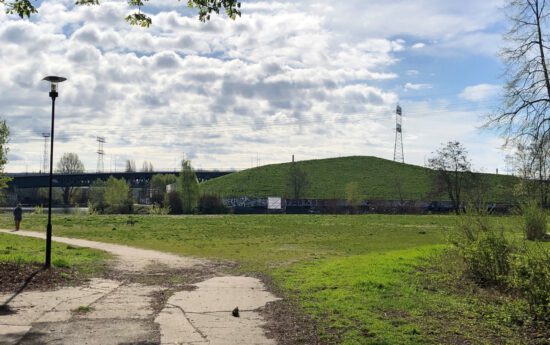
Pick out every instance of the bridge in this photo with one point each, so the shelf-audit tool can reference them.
(134, 179)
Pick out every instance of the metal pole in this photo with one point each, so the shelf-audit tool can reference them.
(53, 95)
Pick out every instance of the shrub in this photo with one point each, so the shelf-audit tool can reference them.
(173, 202)
(38, 209)
(159, 209)
(211, 204)
(485, 250)
(535, 221)
(531, 276)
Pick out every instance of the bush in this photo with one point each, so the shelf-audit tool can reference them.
(173, 202)
(486, 251)
(535, 221)
(211, 204)
(159, 209)
(531, 276)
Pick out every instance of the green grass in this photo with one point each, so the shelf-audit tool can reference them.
(370, 279)
(26, 250)
(257, 242)
(378, 179)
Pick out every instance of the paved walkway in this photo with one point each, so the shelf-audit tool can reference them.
(106, 311)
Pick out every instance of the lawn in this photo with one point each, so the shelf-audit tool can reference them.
(23, 257)
(370, 279)
(376, 178)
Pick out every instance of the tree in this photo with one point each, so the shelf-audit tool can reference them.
(111, 196)
(451, 171)
(4, 138)
(532, 164)
(524, 114)
(117, 196)
(69, 164)
(158, 185)
(130, 165)
(297, 182)
(24, 8)
(147, 167)
(188, 187)
(353, 195)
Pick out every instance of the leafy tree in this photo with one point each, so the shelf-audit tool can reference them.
(4, 138)
(24, 8)
(96, 196)
(69, 164)
(173, 202)
(117, 196)
(451, 171)
(523, 116)
(188, 187)
(297, 182)
(111, 196)
(158, 185)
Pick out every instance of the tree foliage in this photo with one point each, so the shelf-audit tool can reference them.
(451, 171)
(147, 167)
(298, 181)
(188, 187)
(232, 8)
(532, 163)
(4, 138)
(69, 164)
(130, 165)
(158, 185)
(524, 113)
(111, 196)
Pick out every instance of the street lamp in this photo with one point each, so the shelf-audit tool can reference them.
(53, 94)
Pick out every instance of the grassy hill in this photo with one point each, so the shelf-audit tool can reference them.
(378, 179)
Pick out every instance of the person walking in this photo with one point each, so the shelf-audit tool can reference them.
(17, 216)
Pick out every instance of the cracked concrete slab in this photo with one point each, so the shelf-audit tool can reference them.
(123, 313)
(205, 313)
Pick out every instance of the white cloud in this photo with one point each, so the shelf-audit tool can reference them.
(417, 87)
(287, 77)
(418, 45)
(481, 92)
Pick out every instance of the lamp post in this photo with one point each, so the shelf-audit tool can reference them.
(53, 94)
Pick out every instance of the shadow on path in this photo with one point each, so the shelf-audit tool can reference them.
(4, 307)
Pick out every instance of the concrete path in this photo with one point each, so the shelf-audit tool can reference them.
(107, 311)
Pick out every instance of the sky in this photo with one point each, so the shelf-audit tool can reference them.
(313, 79)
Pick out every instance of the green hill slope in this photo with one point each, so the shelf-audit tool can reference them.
(378, 179)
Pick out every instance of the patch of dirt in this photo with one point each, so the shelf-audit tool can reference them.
(286, 322)
(18, 276)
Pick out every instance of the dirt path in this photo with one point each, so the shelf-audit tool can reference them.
(143, 310)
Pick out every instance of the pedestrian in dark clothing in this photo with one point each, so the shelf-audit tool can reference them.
(17, 216)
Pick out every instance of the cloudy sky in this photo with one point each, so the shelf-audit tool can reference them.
(316, 79)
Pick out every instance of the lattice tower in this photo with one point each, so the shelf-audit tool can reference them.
(398, 155)
(100, 153)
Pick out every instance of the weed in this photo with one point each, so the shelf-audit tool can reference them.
(535, 221)
(485, 250)
(83, 309)
(38, 209)
(531, 276)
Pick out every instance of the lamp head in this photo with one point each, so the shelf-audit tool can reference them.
(54, 80)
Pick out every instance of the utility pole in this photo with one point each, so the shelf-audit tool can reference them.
(100, 153)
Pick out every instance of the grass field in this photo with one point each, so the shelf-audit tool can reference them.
(363, 279)
(378, 179)
(22, 260)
